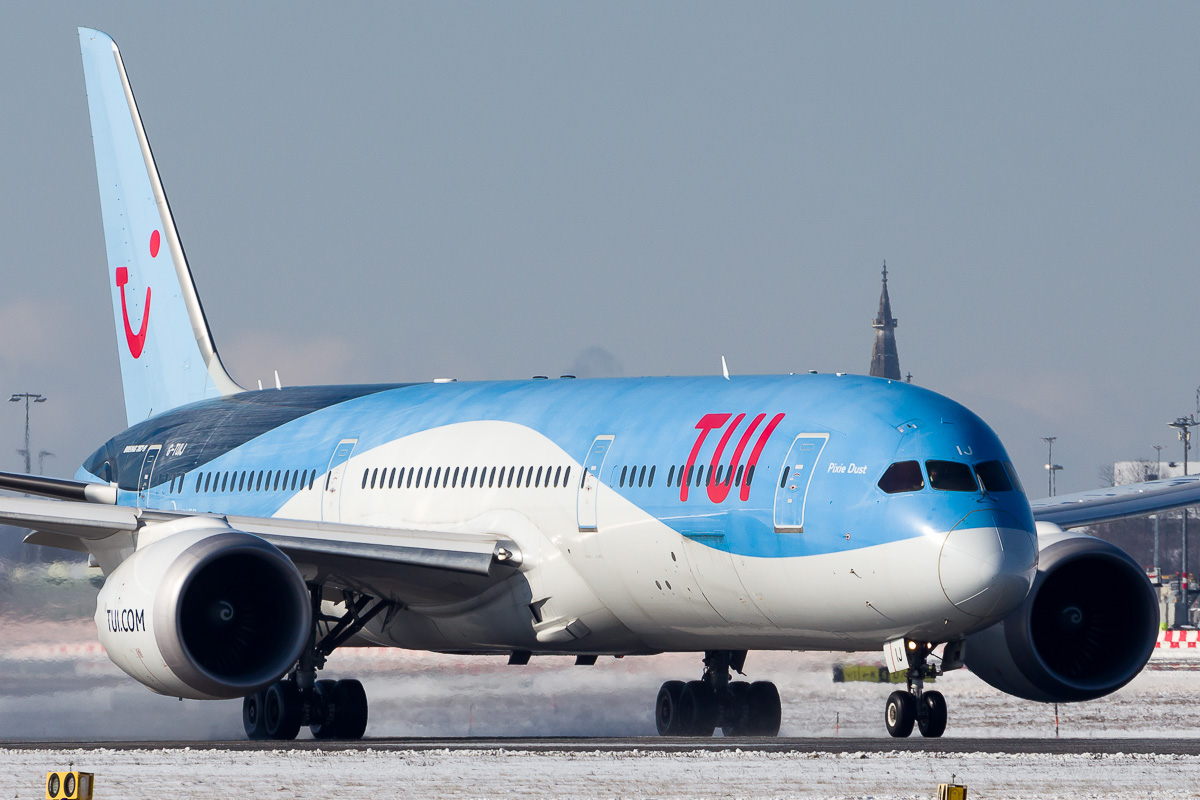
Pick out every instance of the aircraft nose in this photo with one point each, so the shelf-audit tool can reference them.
(987, 563)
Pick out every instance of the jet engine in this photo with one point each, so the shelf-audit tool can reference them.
(205, 614)
(1086, 628)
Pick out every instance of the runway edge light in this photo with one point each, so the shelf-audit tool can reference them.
(69, 785)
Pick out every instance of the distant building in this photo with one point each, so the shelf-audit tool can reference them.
(885, 362)
(1147, 470)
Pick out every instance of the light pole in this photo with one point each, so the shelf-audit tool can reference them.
(26, 396)
(1157, 574)
(1158, 448)
(1051, 467)
(1183, 426)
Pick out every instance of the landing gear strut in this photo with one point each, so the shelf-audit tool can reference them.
(331, 709)
(927, 710)
(738, 708)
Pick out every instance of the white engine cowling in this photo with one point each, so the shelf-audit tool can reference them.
(1087, 627)
(205, 614)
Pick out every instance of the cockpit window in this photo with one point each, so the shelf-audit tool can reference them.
(1012, 474)
(993, 477)
(903, 476)
(951, 476)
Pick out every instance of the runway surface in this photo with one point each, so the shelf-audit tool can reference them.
(1059, 746)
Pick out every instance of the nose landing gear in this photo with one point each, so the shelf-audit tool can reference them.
(331, 709)
(915, 706)
(738, 708)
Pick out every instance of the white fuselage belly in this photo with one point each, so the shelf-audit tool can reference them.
(634, 580)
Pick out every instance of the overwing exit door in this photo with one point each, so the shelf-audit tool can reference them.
(792, 493)
(331, 496)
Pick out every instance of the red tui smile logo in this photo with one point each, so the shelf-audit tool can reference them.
(137, 341)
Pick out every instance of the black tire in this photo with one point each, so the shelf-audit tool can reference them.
(666, 709)
(350, 717)
(325, 709)
(282, 710)
(900, 713)
(932, 723)
(764, 711)
(698, 708)
(733, 716)
(253, 719)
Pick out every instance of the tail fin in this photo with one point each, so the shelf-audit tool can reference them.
(168, 358)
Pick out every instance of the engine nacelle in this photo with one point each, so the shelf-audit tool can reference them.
(1087, 627)
(205, 614)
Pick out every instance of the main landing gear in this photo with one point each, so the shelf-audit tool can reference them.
(330, 709)
(927, 710)
(738, 708)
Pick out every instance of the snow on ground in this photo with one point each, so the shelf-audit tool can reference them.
(183, 774)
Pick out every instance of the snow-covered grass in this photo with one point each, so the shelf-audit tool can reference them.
(159, 774)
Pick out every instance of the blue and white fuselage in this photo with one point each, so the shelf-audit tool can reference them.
(742, 513)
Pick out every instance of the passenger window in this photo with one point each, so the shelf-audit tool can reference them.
(199, 478)
(903, 476)
(649, 482)
(366, 474)
(286, 473)
(207, 480)
(642, 477)
(474, 474)
(454, 479)
(304, 480)
(276, 486)
(374, 475)
(567, 477)
(951, 476)
(392, 477)
(557, 475)
(537, 482)
(720, 473)
(241, 481)
(492, 477)
(992, 476)
(750, 473)
(671, 475)
(258, 485)
(624, 471)
(437, 477)
(224, 481)
(738, 480)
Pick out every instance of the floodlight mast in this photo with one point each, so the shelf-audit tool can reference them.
(27, 396)
(1183, 427)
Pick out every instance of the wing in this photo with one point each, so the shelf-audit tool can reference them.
(1118, 502)
(410, 566)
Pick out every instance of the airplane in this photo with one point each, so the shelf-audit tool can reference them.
(245, 535)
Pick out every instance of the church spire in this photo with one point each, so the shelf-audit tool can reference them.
(885, 362)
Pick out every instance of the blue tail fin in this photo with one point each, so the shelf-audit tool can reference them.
(167, 354)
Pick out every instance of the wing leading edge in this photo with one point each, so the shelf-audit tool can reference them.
(1118, 502)
(411, 566)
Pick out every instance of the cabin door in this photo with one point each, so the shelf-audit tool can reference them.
(792, 491)
(147, 472)
(589, 482)
(332, 495)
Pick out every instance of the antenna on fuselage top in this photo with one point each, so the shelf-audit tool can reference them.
(724, 368)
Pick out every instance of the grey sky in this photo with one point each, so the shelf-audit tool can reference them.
(402, 192)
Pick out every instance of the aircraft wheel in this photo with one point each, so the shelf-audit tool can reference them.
(900, 713)
(764, 711)
(698, 709)
(667, 717)
(933, 722)
(253, 718)
(733, 719)
(323, 701)
(350, 704)
(282, 710)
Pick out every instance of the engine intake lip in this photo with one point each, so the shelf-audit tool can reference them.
(231, 648)
(1086, 643)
